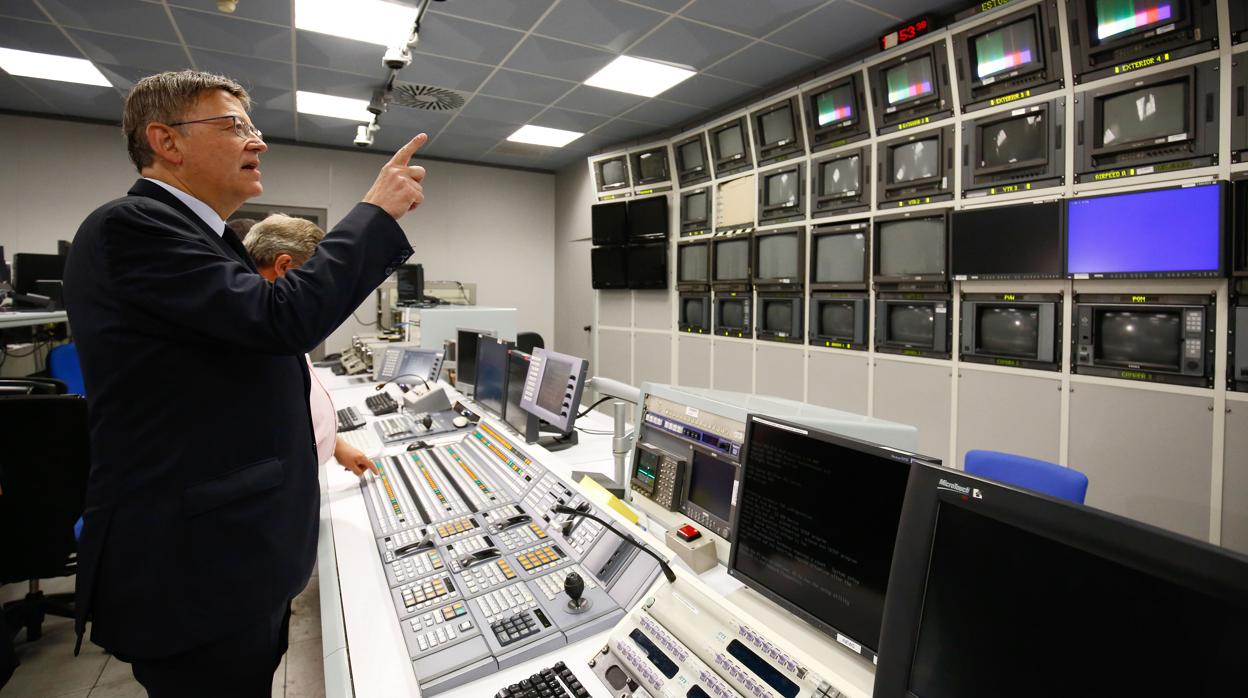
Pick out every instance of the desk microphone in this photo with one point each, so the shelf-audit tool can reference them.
(382, 386)
(667, 570)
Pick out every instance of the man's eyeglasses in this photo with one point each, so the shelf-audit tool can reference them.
(242, 129)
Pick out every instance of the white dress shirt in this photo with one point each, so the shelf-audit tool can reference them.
(201, 209)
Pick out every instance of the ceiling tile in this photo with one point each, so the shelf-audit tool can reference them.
(150, 56)
(707, 91)
(219, 32)
(483, 128)
(452, 37)
(459, 146)
(264, 10)
(569, 120)
(332, 82)
(272, 111)
(326, 130)
(838, 29)
(249, 72)
(623, 129)
(558, 59)
(665, 5)
(531, 88)
(907, 9)
(504, 110)
(33, 36)
(15, 96)
(508, 160)
(413, 121)
(73, 99)
(688, 43)
(517, 14)
(599, 101)
(22, 9)
(336, 53)
(607, 24)
(442, 72)
(128, 17)
(756, 17)
(762, 64)
(663, 112)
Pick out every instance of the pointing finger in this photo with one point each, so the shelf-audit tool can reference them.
(405, 153)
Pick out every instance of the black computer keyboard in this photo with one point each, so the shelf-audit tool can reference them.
(349, 418)
(381, 403)
(556, 682)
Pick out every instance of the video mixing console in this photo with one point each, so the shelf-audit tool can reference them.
(476, 560)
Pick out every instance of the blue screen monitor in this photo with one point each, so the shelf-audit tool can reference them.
(1163, 233)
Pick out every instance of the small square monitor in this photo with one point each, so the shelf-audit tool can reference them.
(840, 176)
(779, 256)
(776, 126)
(647, 266)
(1007, 50)
(609, 223)
(647, 217)
(1142, 116)
(492, 372)
(411, 283)
(612, 174)
(695, 207)
(909, 81)
(840, 259)
(912, 249)
(609, 267)
(650, 166)
(835, 105)
(1019, 141)
(732, 259)
(691, 155)
(915, 160)
(692, 265)
(780, 189)
(730, 142)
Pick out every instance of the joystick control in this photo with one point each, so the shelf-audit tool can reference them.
(574, 586)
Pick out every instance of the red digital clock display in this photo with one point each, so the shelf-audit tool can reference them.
(908, 32)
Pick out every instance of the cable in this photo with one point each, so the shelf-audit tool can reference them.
(366, 324)
(667, 570)
(381, 386)
(591, 407)
(593, 432)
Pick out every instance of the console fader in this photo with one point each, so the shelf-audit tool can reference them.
(476, 560)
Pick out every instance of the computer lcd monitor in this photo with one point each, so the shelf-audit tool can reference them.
(1164, 232)
(466, 343)
(30, 268)
(493, 366)
(998, 591)
(732, 259)
(915, 160)
(609, 267)
(4, 267)
(609, 223)
(779, 256)
(1015, 142)
(647, 218)
(411, 282)
(693, 265)
(1143, 116)
(553, 386)
(909, 81)
(694, 207)
(647, 266)
(816, 523)
(514, 414)
(840, 176)
(839, 259)
(712, 482)
(835, 105)
(1008, 242)
(1006, 50)
(911, 249)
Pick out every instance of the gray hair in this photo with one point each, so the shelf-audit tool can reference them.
(282, 234)
(165, 98)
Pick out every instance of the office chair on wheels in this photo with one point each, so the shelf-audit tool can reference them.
(44, 461)
(1028, 473)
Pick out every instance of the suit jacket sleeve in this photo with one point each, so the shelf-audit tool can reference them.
(159, 266)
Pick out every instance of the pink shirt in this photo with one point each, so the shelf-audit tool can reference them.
(324, 419)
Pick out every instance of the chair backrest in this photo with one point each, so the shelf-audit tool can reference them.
(63, 365)
(32, 385)
(44, 461)
(527, 341)
(1028, 473)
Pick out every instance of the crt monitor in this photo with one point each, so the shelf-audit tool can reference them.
(914, 161)
(695, 208)
(411, 282)
(1013, 143)
(832, 570)
(612, 173)
(513, 413)
(840, 177)
(692, 265)
(911, 249)
(780, 256)
(712, 481)
(650, 166)
(908, 82)
(553, 386)
(732, 260)
(492, 371)
(1001, 592)
(608, 267)
(647, 218)
(1008, 50)
(466, 343)
(609, 223)
(775, 126)
(834, 105)
(1143, 116)
(779, 316)
(781, 189)
(647, 266)
(839, 260)
(1032, 249)
(691, 156)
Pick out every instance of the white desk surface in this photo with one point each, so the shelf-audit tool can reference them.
(25, 318)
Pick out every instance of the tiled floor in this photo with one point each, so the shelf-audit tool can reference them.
(50, 670)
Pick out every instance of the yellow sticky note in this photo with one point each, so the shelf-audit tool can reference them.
(599, 494)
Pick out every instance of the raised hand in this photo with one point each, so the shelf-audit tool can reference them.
(398, 188)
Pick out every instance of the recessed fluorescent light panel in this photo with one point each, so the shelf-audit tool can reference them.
(329, 105)
(637, 76)
(373, 21)
(48, 67)
(540, 135)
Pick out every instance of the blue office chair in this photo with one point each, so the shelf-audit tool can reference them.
(63, 365)
(1028, 473)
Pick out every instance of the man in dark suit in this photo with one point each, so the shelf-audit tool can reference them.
(202, 506)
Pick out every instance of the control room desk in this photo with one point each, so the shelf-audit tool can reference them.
(363, 647)
(26, 318)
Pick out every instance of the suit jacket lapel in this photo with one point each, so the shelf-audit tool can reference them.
(154, 191)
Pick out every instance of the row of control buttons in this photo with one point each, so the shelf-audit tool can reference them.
(521, 536)
(641, 666)
(742, 676)
(486, 576)
(395, 427)
(718, 687)
(416, 566)
(538, 559)
(418, 595)
(401, 539)
(503, 603)
(515, 628)
(440, 625)
(456, 527)
(665, 639)
(767, 648)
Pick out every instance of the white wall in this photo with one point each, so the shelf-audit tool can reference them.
(489, 226)
(574, 300)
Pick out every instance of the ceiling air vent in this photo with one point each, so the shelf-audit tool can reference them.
(426, 97)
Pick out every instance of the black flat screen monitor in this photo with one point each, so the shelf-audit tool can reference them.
(779, 256)
(732, 260)
(1016, 142)
(609, 223)
(1009, 242)
(647, 266)
(29, 268)
(909, 81)
(1000, 592)
(832, 570)
(647, 217)
(840, 177)
(711, 483)
(1007, 50)
(517, 371)
(466, 344)
(913, 161)
(411, 282)
(693, 265)
(553, 387)
(694, 209)
(1144, 116)
(609, 267)
(4, 267)
(839, 258)
(492, 371)
(911, 248)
